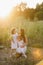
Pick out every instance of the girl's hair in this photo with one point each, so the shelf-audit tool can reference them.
(22, 32)
(12, 32)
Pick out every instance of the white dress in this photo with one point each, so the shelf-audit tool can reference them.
(19, 49)
(14, 44)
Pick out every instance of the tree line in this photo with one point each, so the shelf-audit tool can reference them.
(29, 13)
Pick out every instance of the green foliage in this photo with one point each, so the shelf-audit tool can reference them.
(24, 19)
(28, 13)
(33, 30)
(39, 15)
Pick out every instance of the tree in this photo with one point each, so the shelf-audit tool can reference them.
(39, 11)
(39, 7)
(39, 15)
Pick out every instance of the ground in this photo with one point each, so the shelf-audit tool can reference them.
(34, 55)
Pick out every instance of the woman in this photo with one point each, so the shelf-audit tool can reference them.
(22, 43)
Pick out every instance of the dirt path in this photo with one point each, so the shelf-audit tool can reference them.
(37, 53)
(33, 55)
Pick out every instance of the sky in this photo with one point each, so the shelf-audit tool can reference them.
(7, 5)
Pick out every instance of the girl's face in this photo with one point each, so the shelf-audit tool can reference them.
(22, 31)
(14, 31)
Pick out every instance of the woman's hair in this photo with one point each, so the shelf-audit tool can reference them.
(22, 33)
(12, 32)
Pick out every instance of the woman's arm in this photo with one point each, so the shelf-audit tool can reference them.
(26, 40)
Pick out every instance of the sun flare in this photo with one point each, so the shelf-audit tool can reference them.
(7, 5)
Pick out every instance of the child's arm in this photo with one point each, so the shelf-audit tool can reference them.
(11, 39)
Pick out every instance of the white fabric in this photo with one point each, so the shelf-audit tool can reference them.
(15, 37)
(19, 49)
(14, 44)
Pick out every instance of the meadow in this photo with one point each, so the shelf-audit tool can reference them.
(33, 30)
(34, 33)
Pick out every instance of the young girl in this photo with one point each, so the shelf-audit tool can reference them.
(13, 41)
(22, 44)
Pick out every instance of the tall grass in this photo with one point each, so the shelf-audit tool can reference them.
(33, 30)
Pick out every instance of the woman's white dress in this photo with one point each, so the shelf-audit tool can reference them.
(14, 42)
(19, 49)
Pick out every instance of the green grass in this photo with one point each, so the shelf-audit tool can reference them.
(33, 30)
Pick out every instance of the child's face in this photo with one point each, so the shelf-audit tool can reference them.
(14, 31)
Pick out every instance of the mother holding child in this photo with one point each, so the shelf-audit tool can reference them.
(19, 43)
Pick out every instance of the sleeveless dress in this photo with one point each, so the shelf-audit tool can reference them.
(19, 49)
(14, 44)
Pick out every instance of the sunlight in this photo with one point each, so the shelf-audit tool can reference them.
(4, 8)
(40, 63)
(37, 54)
(7, 5)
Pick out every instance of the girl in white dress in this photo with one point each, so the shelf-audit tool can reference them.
(14, 42)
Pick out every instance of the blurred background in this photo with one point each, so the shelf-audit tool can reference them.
(26, 14)
(23, 15)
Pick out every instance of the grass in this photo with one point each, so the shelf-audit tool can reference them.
(33, 30)
(6, 60)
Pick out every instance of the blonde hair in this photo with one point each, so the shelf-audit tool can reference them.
(12, 32)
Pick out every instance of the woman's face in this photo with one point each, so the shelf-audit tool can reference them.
(22, 31)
